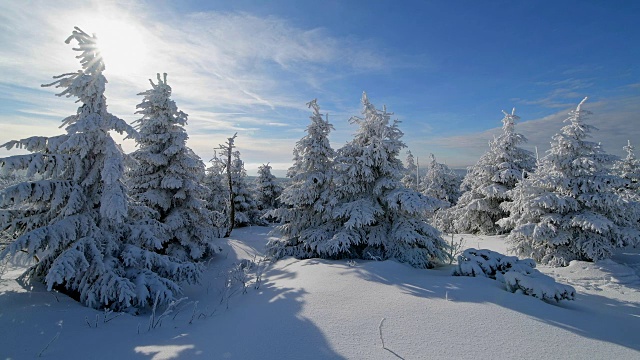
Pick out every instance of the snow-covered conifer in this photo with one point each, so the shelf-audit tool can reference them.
(376, 216)
(72, 214)
(267, 189)
(440, 182)
(568, 208)
(487, 182)
(169, 175)
(629, 170)
(244, 201)
(218, 194)
(306, 202)
(411, 177)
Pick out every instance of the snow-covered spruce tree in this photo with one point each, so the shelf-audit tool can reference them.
(568, 208)
(411, 177)
(244, 201)
(72, 218)
(486, 183)
(376, 216)
(306, 203)
(440, 182)
(267, 190)
(629, 170)
(169, 176)
(217, 200)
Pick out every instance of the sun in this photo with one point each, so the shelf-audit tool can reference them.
(122, 46)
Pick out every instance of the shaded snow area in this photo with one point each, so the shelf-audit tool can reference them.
(319, 309)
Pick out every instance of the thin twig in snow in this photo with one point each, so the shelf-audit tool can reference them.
(382, 340)
(380, 330)
(193, 314)
(109, 312)
(48, 344)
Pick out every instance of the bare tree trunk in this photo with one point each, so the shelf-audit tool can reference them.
(232, 209)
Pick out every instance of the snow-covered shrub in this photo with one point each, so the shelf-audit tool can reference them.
(489, 263)
(455, 248)
(569, 208)
(241, 276)
(487, 183)
(538, 285)
(518, 275)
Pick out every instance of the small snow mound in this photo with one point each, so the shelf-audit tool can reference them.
(619, 273)
(602, 271)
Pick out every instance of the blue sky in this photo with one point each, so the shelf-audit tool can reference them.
(445, 68)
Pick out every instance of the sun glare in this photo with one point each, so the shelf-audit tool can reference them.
(122, 46)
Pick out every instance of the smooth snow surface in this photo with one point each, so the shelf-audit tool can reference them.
(319, 309)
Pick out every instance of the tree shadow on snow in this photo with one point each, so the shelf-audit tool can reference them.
(263, 323)
(590, 316)
(34, 321)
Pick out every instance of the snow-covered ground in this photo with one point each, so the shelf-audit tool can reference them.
(318, 309)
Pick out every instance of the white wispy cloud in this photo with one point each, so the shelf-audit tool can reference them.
(561, 93)
(617, 121)
(227, 70)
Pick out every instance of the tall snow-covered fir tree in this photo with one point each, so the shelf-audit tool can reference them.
(306, 203)
(629, 170)
(376, 216)
(267, 189)
(440, 182)
(411, 177)
(486, 183)
(568, 208)
(72, 218)
(168, 178)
